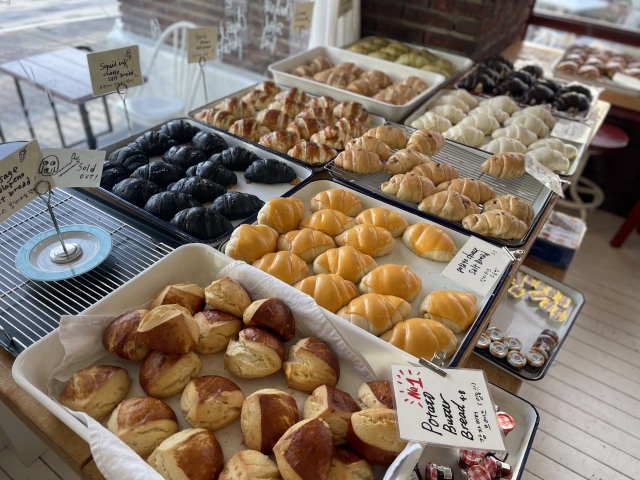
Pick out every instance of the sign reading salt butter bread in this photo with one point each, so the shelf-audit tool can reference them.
(71, 168)
(454, 411)
(18, 172)
(202, 44)
(112, 68)
(302, 16)
(344, 7)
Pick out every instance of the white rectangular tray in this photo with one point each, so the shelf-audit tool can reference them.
(395, 113)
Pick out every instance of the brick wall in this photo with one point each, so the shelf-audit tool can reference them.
(474, 28)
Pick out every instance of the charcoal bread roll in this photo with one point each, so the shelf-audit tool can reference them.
(376, 394)
(266, 415)
(257, 353)
(155, 143)
(165, 205)
(163, 375)
(209, 143)
(273, 315)
(373, 433)
(334, 407)
(169, 329)
(189, 296)
(534, 70)
(538, 94)
(346, 465)
(112, 176)
(129, 157)
(571, 101)
(311, 363)
(215, 172)
(250, 465)
(160, 173)
(120, 338)
(227, 295)
(192, 454)
(202, 223)
(237, 205)
(136, 191)
(217, 329)
(211, 402)
(235, 158)
(267, 170)
(96, 390)
(305, 451)
(184, 156)
(201, 189)
(179, 130)
(143, 423)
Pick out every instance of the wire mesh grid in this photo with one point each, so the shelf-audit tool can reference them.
(31, 309)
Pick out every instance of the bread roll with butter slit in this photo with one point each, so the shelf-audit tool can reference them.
(375, 394)
(285, 266)
(371, 144)
(359, 161)
(551, 159)
(504, 165)
(404, 160)
(432, 121)
(437, 172)
(305, 451)
(455, 310)
(568, 151)
(282, 214)
(451, 113)
(475, 190)
(486, 124)
(346, 261)
(96, 390)
(211, 402)
(392, 279)
(375, 313)
(306, 243)
(251, 242)
(191, 454)
(491, 111)
(383, 218)
(266, 415)
(409, 187)
(394, 137)
(370, 240)
(373, 433)
(143, 423)
(466, 97)
(518, 207)
(530, 122)
(330, 222)
(337, 199)
(496, 224)
(120, 338)
(163, 375)
(250, 465)
(422, 337)
(257, 353)
(504, 103)
(217, 329)
(450, 100)
(330, 291)
(346, 465)
(429, 241)
(504, 145)
(169, 329)
(311, 363)
(189, 296)
(273, 315)
(334, 407)
(427, 142)
(517, 132)
(227, 295)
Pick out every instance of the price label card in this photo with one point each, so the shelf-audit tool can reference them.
(71, 168)
(543, 174)
(478, 266)
(455, 411)
(18, 173)
(202, 43)
(571, 131)
(302, 16)
(344, 7)
(112, 68)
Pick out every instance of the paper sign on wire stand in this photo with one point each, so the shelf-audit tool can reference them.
(18, 172)
(111, 69)
(64, 167)
(302, 16)
(202, 44)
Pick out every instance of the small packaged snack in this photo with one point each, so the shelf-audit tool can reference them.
(546, 304)
(551, 333)
(483, 342)
(537, 295)
(498, 350)
(494, 334)
(516, 291)
(437, 472)
(535, 361)
(558, 314)
(549, 291)
(516, 359)
(512, 343)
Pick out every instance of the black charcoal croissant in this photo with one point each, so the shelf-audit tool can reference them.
(550, 84)
(136, 191)
(213, 171)
(477, 82)
(499, 66)
(538, 94)
(129, 157)
(267, 170)
(160, 173)
(576, 88)
(113, 175)
(155, 143)
(525, 76)
(235, 158)
(511, 86)
(534, 70)
(179, 130)
(504, 60)
(202, 223)
(165, 205)
(237, 205)
(202, 189)
(571, 101)
(209, 143)
(184, 156)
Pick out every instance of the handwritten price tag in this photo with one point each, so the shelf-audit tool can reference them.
(71, 168)
(477, 266)
(572, 131)
(453, 411)
(201, 43)
(543, 174)
(302, 16)
(112, 68)
(344, 7)
(18, 172)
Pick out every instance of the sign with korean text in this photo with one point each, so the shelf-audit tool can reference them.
(572, 131)
(302, 16)
(344, 7)
(455, 411)
(112, 68)
(64, 167)
(202, 43)
(18, 172)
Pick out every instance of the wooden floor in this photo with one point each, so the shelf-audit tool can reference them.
(589, 401)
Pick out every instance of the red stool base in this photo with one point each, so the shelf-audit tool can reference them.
(632, 221)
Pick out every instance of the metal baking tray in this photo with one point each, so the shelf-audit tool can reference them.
(467, 161)
(376, 120)
(261, 190)
(559, 119)
(280, 71)
(521, 318)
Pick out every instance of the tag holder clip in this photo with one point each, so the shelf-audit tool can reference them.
(437, 361)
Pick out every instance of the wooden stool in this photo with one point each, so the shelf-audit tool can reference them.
(632, 221)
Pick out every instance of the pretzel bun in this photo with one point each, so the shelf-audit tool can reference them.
(217, 329)
(189, 296)
(227, 295)
(375, 394)
(211, 402)
(273, 315)
(310, 364)
(163, 375)
(121, 339)
(257, 353)
(169, 329)
(373, 433)
(334, 407)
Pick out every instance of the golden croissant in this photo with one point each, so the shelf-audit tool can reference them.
(504, 165)
(455, 310)
(305, 127)
(409, 187)
(249, 128)
(437, 172)
(370, 240)
(280, 140)
(273, 119)
(285, 266)
(331, 136)
(394, 137)
(392, 279)
(218, 118)
(422, 337)
(349, 263)
(519, 208)
(306, 243)
(372, 144)
(337, 199)
(251, 242)
(475, 190)
(359, 161)
(282, 214)
(496, 224)
(429, 241)
(330, 291)
(331, 222)
(428, 142)
(404, 160)
(449, 205)
(381, 217)
(376, 313)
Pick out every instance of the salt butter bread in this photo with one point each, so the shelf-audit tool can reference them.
(257, 353)
(306, 243)
(392, 279)
(121, 339)
(376, 394)
(422, 337)
(163, 375)
(394, 137)
(516, 206)
(371, 144)
(409, 187)
(330, 222)
(96, 390)
(227, 295)
(375, 313)
(334, 407)
(349, 263)
(311, 363)
(370, 240)
(192, 454)
(455, 310)
(330, 291)
(449, 205)
(250, 465)
(381, 217)
(266, 415)
(282, 214)
(271, 314)
(189, 296)
(211, 402)
(169, 329)
(143, 423)
(216, 330)
(337, 199)
(283, 265)
(373, 433)
(437, 172)
(497, 224)
(346, 465)
(428, 241)
(504, 165)
(251, 242)
(475, 190)
(428, 142)
(404, 160)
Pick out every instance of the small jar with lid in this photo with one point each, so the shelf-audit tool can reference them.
(494, 334)
(542, 347)
(477, 472)
(548, 340)
(468, 458)
(498, 350)
(551, 333)
(504, 471)
(516, 359)
(512, 343)
(483, 342)
(506, 422)
(535, 361)
(437, 472)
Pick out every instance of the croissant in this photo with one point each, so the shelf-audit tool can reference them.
(432, 121)
(465, 134)
(305, 127)
(218, 118)
(324, 114)
(269, 88)
(371, 144)
(370, 240)
(404, 90)
(392, 279)
(338, 78)
(352, 109)
(490, 111)
(551, 159)
(451, 113)
(455, 310)
(323, 76)
(409, 187)
(258, 99)
(450, 100)
(237, 108)
(486, 124)
(404, 160)
(415, 83)
(393, 97)
(428, 142)
(568, 151)
(290, 107)
(362, 86)
(330, 222)
(322, 102)
(285, 266)
(394, 137)
(496, 224)
(475, 190)
(273, 119)
(351, 126)
(306, 243)
(319, 64)
(303, 71)
(422, 337)
(466, 97)
(504, 165)
(359, 161)
(449, 205)
(375, 313)
(312, 153)
(330, 291)
(519, 208)
(294, 94)
(530, 122)
(518, 132)
(428, 241)
(378, 78)
(349, 263)
(504, 103)
(331, 136)
(251, 242)
(383, 218)
(541, 112)
(504, 144)
(437, 172)
(249, 128)
(281, 140)
(337, 199)
(283, 214)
